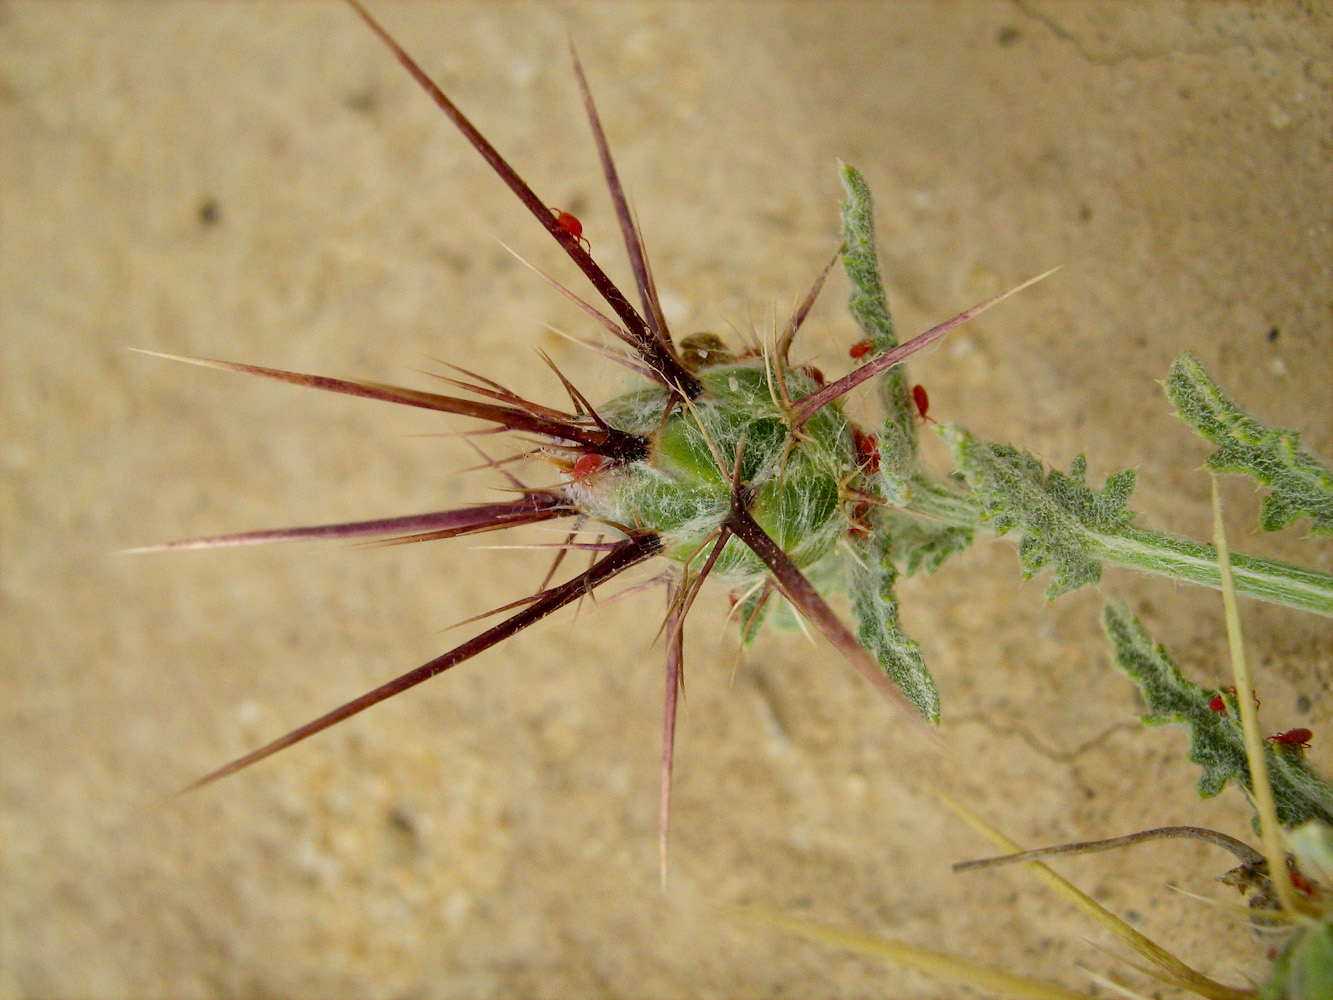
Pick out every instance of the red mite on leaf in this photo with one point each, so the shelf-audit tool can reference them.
(860, 349)
(1298, 739)
(687, 447)
(1219, 705)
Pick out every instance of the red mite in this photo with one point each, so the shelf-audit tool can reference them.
(866, 447)
(586, 466)
(922, 400)
(570, 223)
(861, 348)
(1219, 705)
(1298, 738)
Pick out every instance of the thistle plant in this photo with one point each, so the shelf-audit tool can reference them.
(737, 464)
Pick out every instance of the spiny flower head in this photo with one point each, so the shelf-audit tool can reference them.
(741, 465)
(736, 431)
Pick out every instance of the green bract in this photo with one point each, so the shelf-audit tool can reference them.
(683, 489)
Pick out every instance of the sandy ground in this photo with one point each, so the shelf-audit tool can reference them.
(262, 182)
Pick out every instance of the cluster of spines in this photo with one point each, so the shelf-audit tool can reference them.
(587, 446)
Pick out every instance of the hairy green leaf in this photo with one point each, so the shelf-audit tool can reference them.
(1216, 741)
(869, 306)
(1302, 485)
(872, 576)
(1058, 514)
(921, 545)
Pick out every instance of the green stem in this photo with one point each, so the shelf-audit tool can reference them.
(1158, 552)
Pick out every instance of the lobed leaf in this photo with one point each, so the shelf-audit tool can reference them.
(1302, 485)
(920, 545)
(1216, 741)
(1058, 514)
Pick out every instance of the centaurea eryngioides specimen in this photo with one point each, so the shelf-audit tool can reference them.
(740, 465)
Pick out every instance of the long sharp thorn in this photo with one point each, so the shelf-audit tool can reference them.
(807, 406)
(481, 379)
(748, 628)
(659, 580)
(638, 259)
(803, 310)
(505, 396)
(629, 553)
(675, 684)
(559, 558)
(676, 375)
(513, 480)
(496, 463)
(652, 284)
(606, 352)
(776, 378)
(581, 404)
(497, 524)
(493, 612)
(675, 650)
(606, 441)
(587, 592)
(576, 397)
(461, 521)
(803, 596)
(548, 546)
(676, 594)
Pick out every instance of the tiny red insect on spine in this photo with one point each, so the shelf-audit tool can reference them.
(860, 349)
(569, 222)
(1298, 738)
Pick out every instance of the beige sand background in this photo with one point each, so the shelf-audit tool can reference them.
(260, 181)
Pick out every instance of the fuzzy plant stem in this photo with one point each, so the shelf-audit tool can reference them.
(1157, 552)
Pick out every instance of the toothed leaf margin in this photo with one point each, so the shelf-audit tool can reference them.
(1216, 741)
(1057, 513)
(1302, 485)
(869, 306)
(920, 545)
(872, 576)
